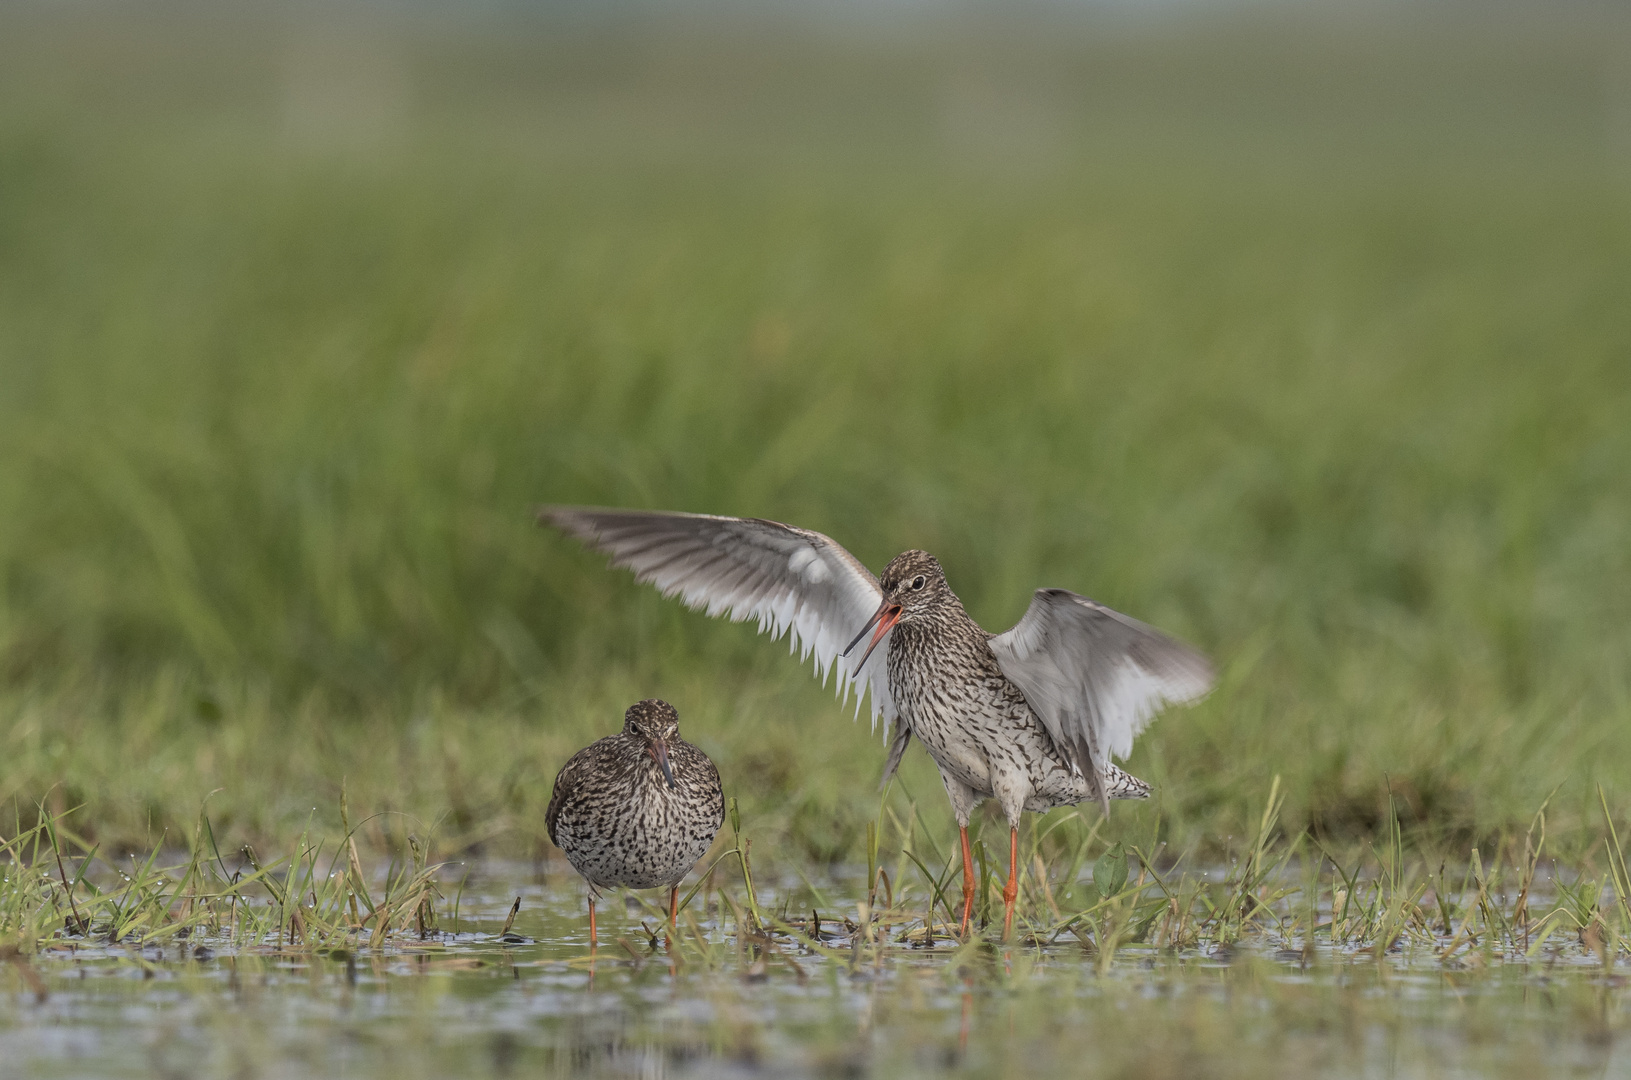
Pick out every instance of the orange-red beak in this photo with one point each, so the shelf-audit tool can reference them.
(883, 620)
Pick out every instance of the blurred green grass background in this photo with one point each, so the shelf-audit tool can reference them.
(1305, 337)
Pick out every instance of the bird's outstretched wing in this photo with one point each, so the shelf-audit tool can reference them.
(788, 579)
(1095, 677)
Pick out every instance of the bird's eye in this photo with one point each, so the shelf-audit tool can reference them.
(917, 582)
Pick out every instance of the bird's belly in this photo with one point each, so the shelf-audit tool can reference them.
(1012, 742)
(977, 725)
(641, 844)
(964, 761)
(963, 741)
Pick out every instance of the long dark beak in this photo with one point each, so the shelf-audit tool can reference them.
(884, 620)
(659, 751)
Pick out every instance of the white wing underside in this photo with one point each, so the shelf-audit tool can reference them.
(792, 581)
(1095, 677)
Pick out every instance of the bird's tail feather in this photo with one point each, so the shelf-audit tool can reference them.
(1124, 785)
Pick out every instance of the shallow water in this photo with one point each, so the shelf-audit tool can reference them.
(466, 1003)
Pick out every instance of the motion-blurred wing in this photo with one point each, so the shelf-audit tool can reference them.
(788, 579)
(1095, 677)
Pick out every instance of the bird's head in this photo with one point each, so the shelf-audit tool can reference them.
(913, 582)
(655, 723)
(912, 585)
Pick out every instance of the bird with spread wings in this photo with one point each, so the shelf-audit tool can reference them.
(1033, 717)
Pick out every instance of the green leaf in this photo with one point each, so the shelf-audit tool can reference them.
(1110, 871)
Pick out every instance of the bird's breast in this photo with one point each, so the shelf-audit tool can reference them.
(971, 719)
(958, 703)
(626, 826)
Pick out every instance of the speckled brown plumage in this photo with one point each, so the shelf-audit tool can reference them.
(971, 718)
(617, 817)
(1033, 716)
(951, 692)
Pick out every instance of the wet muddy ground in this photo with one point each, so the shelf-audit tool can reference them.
(470, 1000)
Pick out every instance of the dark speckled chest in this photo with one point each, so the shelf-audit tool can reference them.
(619, 822)
(970, 717)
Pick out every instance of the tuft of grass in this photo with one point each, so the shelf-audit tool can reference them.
(1278, 898)
(54, 886)
(1284, 896)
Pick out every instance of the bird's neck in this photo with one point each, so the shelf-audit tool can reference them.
(945, 625)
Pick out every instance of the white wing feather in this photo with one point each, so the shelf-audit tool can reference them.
(791, 581)
(1094, 677)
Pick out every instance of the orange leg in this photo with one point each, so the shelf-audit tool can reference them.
(593, 940)
(968, 883)
(673, 908)
(1010, 891)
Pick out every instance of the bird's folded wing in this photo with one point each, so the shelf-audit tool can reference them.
(1095, 677)
(788, 579)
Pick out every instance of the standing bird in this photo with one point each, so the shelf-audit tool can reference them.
(1031, 717)
(637, 809)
